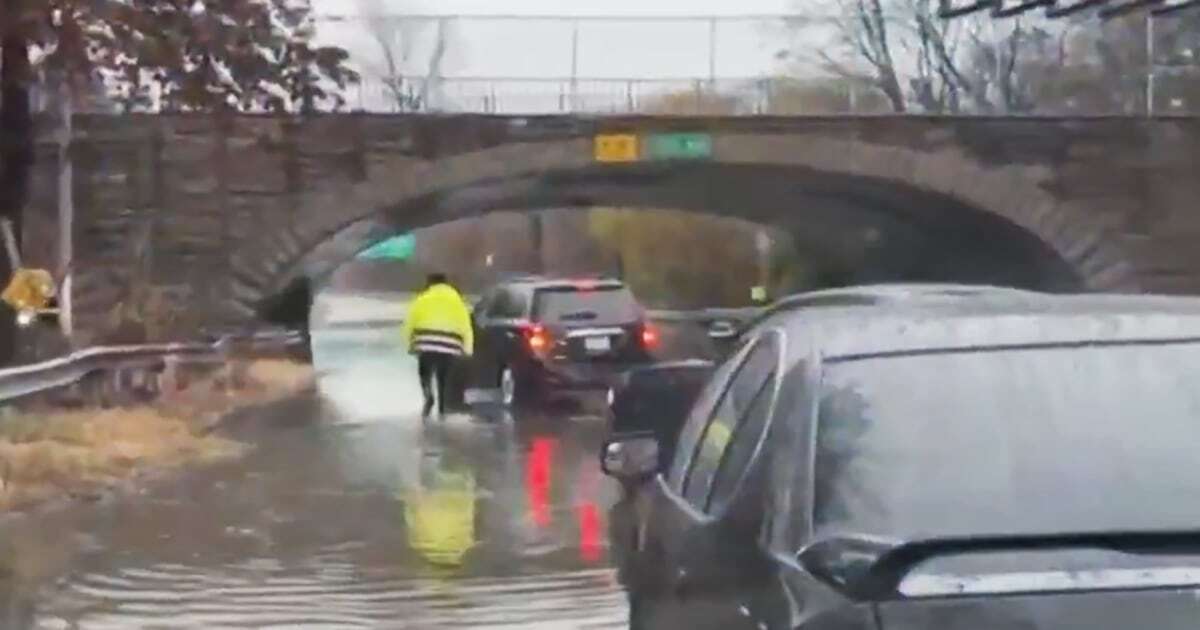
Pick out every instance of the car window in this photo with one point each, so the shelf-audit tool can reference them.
(518, 304)
(701, 410)
(748, 386)
(1043, 440)
(746, 438)
(483, 306)
(790, 433)
(609, 305)
(507, 304)
(496, 303)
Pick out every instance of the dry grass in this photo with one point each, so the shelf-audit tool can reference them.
(277, 376)
(51, 454)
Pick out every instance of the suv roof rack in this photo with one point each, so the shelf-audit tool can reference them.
(564, 279)
(517, 276)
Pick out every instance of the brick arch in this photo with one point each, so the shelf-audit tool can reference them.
(265, 265)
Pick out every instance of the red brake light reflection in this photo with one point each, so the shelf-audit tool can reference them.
(537, 480)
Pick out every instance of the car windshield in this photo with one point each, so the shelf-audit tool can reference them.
(1017, 441)
(607, 305)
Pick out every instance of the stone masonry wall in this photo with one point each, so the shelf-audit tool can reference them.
(169, 207)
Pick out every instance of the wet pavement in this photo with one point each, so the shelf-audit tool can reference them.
(351, 513)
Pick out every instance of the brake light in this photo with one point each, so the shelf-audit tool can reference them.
(538, 338)
(650, 336)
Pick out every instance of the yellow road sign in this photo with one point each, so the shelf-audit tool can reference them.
(29, 290)
(617, 147)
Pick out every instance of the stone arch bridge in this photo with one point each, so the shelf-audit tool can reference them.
(218, 219)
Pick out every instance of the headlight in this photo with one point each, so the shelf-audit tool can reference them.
(610, 396)
(25, 318)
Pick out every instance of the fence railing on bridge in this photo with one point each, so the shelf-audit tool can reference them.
(621, 95)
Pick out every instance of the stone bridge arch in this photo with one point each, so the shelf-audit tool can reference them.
(333, 223)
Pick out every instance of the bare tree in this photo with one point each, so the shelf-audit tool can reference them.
(407, 74)
(919, 60)
(863, 28)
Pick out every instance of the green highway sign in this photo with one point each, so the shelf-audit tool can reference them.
(395, 248)
(679, 146)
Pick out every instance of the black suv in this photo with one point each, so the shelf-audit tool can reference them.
(540, 337)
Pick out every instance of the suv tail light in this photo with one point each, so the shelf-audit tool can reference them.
(537, 338)
(650, 336)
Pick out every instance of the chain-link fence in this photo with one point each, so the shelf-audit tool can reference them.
(747, 96)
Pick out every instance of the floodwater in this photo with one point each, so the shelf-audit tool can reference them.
(351, 513)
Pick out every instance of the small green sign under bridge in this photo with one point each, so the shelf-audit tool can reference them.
(396, 248)
(679, 146)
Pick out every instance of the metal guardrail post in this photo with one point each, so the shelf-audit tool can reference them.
(168, 379)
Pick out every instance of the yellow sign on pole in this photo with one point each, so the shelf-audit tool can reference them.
(29, 290)
(617, 147)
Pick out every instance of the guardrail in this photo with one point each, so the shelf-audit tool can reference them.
(20, 381)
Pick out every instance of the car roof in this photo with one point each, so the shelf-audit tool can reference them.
(877, 294)
(846, 333)
(885, 292)
(549, 282)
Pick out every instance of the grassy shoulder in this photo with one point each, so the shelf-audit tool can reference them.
(55, 454)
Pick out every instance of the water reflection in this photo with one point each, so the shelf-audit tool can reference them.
(439, 513)
(537, 480)
(350, 513)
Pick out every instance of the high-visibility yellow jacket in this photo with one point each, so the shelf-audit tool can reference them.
(439, 320)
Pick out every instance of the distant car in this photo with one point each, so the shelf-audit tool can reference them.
(540, 338)
(959, 465)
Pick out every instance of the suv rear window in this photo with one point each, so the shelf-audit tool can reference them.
(614, 305)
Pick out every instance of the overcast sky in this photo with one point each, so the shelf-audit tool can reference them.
(542, 49)
(578, 7)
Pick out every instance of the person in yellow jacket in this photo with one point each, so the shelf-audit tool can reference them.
(438, 330)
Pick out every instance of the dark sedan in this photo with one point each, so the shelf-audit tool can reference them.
(982, 464)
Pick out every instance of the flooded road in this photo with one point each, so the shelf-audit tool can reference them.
(351, 513)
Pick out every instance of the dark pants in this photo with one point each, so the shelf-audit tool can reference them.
(431, 366)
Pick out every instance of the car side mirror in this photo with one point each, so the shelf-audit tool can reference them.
(630, 458)
(722, 330)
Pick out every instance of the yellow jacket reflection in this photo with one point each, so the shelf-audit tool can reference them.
(441, 519)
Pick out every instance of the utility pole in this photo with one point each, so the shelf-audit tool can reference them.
(537, 237)
(762, 244)
(712, 54)
(574, 66)
(66, 201)
(16, 149)
(1150, 64)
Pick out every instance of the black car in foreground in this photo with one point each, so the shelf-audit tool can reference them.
(539, 338)
(981, 464)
